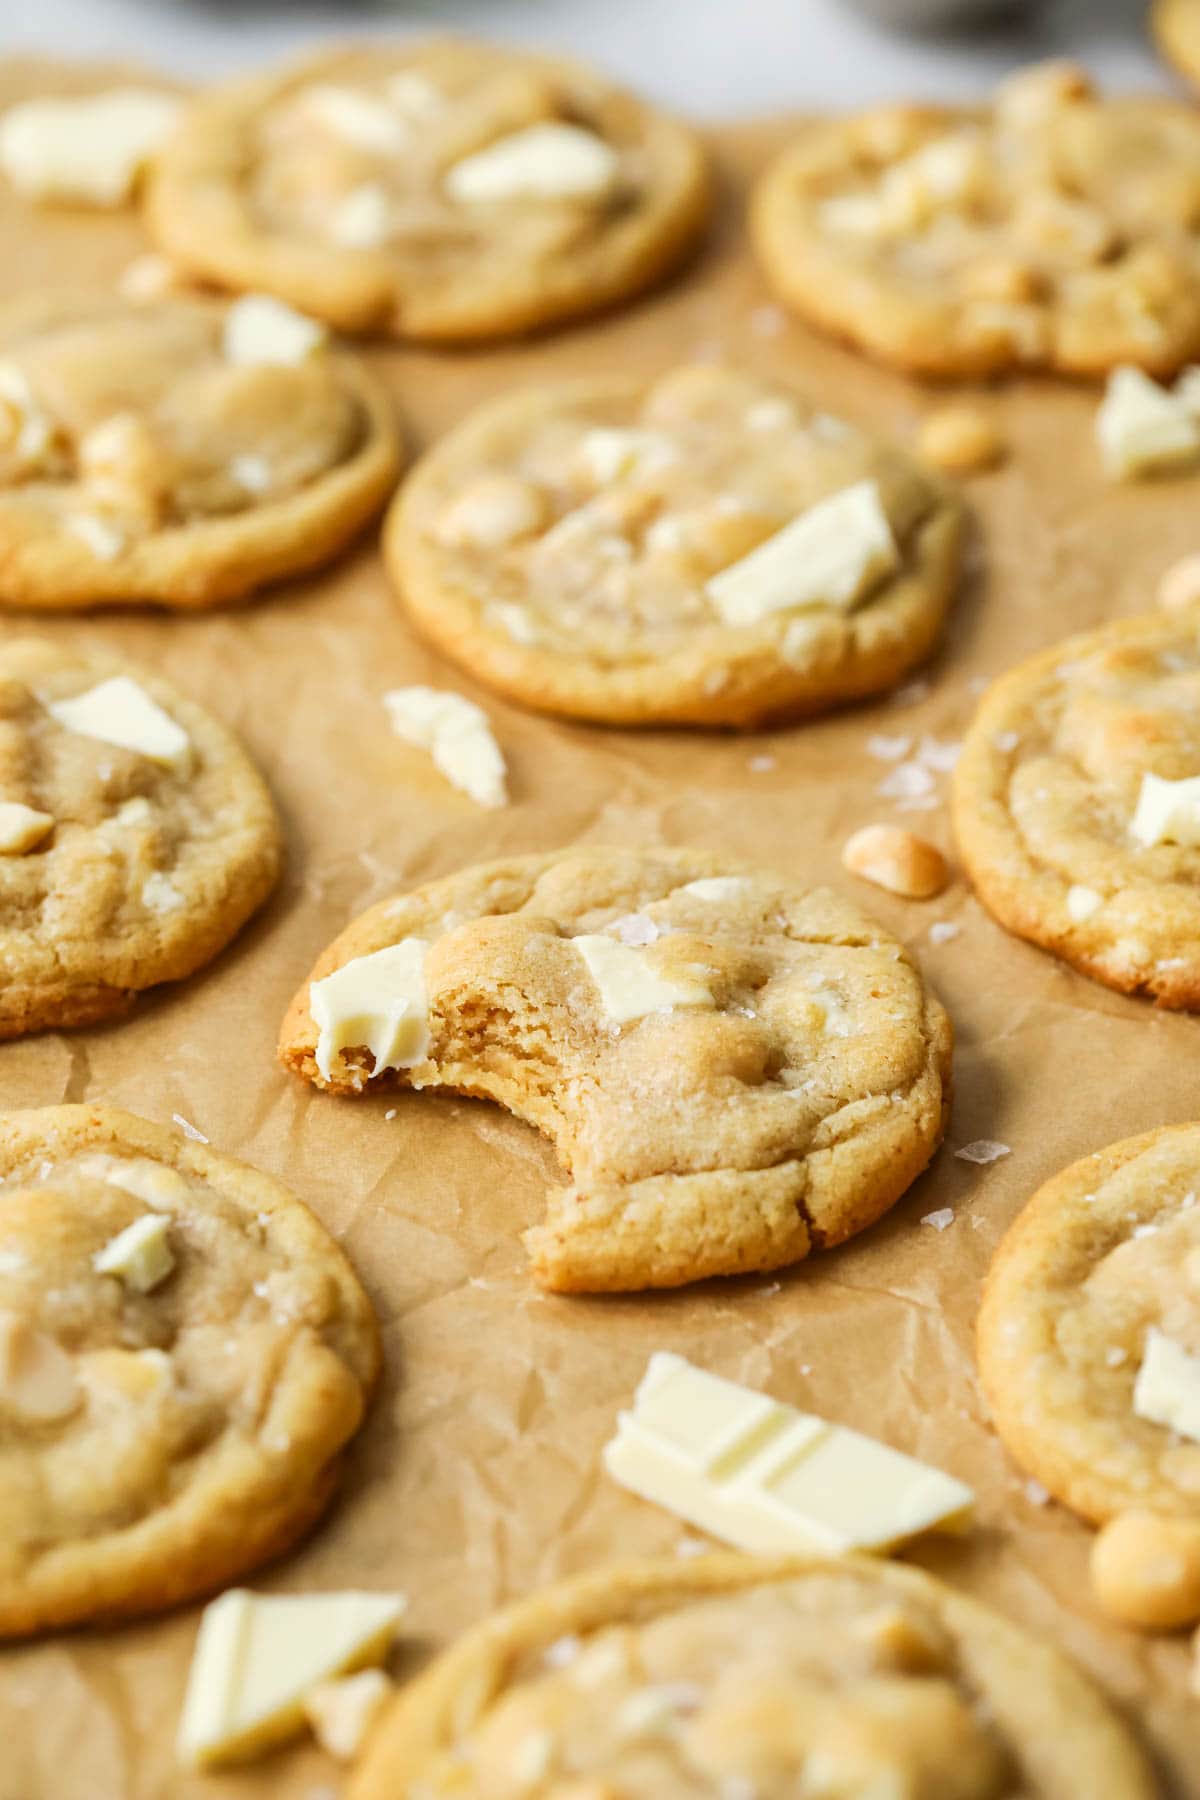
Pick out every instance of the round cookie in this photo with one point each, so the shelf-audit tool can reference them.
(560, 544)
(448, 191)
(1063, 771)
(1105, 1253)
(1056, 229)
(735, 1070)
(736, 1676)
(145, 457)
(174, 1419)
(1176, 28)
(119, 868)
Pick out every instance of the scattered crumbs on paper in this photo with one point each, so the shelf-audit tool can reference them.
(983, 1150)
(1036, 1494)
(887, 749)
(938, 753)
(940, 1219)
(943, 931)
(761, 764)
(189, 1131)
(911, 785)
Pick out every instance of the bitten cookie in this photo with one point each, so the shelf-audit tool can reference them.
(177, 451)
(1077, 804)
(734, 1676)
(706, 550)
(1089, 1353)
(448, 191)
(136, 838)
(1055, 229)
(184, 1353)
(734, 1069)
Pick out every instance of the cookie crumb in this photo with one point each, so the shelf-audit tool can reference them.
(983, 1150)
(897, 860)
(960, 440)
(1179, 587)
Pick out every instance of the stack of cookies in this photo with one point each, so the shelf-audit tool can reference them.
(496, 697)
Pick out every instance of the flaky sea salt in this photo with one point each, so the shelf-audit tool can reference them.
(887, 749)
(1036, 1494)
(940, 1219)
(635, 929)
(189, 1131)
(939, 754)
(943, 931)
(907, 781)
(983, 1150)
(760, 764)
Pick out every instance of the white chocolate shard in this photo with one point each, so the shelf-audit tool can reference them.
(363, 220)
(378, 1002)
(260, 329)
(832, 555)
(1167, 812)
(88, 149)
(118, 711)
(629, 986)
(1142, 427)
(457, 735)
(1167, 1389)
(356, 117)
(140, 1256)
(550, 161)
(22, 827)
(342, 1712)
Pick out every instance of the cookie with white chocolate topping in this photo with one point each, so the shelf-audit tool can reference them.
(706, 549)
(168, 1420)
(136, 838)
(447, 191)
(178, 452)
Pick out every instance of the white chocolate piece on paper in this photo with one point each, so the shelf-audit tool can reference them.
(90, 148)
(629, 986)
(1142, 427)
(378, 1002)
(120, 712)
(457, 735)
(768, 1478)
(140, 1256)
(831, 555)
(1167, 1389)
(259, 1656)
(21, 827)
(1167, 812)
(550, 161)
(262, 330)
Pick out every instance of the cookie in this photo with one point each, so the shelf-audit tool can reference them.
(736, 1675)
(1072, 804)
(1055, 229)
(706, 549)
(735, 1070)
(1106, 1253)
(447, 192)
(184, 1354)
(136, 838)
(1176, 28)
(171, 452)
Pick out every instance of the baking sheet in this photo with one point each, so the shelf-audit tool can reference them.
(477, 1475)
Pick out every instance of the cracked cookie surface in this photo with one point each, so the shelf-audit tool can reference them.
(140, 870)
(349, 185)
(168, 1428)
(560, 542)
(139, 462)
(1056, 229)
(764, 1073)
(736, 1675)
(1048, 804)
(1104, 1254)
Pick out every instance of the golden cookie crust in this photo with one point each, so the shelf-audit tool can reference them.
(1103, 1252)
(1047, 784)
(220, 480)
(1176, 28)
(146, 873)
(1060, 230)
(167, 1483)
(706, 1141)
(240, 200)
(596, 607)
(891, 1674)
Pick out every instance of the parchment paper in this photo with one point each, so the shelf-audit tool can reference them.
(477, 1475)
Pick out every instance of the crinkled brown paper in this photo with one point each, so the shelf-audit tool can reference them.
(477, 1476)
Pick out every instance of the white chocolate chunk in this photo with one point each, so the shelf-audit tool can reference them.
(1167, 812)
(118, 711)
(716, 887)
(21, 827)
(356, 117)
(549, 161)
(1167, 1390)
(412, 92)
(491, 512)
(629, 986)
(159, 893)
(141, 1255)
(104, 539)
(38, 1381)
(152, 1182)
(1142, 426)
(457, 735)
(251, 472)
(342, 1712)
(608, 454)
(86, 149)
(767, 1478)
(363, 220)
(258, 1657)
(27, 429)
(149, 277)
(378, 1002)
(831, 555)
(1083, 902)
(260, 329)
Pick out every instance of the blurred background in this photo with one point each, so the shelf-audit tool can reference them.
(713, 58)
